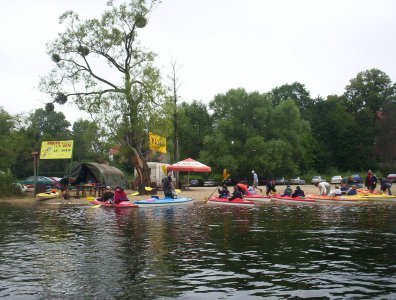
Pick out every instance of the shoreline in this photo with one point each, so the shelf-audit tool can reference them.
(197, 193)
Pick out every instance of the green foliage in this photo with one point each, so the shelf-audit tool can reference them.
(8, 186)
(194, 124)
(296, 92)
(251, 134)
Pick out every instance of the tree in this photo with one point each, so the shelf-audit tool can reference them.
(7, 132)
(385, 143)
(370, 89)
(249, 134)
(43, 125)
(101, 67)
(88, 141)
(296, 92)
(194, 124)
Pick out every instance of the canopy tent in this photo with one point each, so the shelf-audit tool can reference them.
(189, 165)
(99, 173)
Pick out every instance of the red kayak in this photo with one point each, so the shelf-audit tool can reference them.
(119, 204)
(291, 199)
(257, 197)
(226, 201)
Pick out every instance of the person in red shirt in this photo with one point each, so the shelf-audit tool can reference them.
(119, 195)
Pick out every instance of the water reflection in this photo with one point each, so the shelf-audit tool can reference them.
(198, 251)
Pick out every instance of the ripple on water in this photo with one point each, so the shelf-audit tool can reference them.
(271, 251)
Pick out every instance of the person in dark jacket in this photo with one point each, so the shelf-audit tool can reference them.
(371, 181)
(64, 186)
(167, 185)
(107, 195)
(352, 191)
(270, 187)
(236, 194)
(223, 191)
(298, 192)
(386, 185)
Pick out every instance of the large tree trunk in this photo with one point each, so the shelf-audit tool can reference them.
(142, 170)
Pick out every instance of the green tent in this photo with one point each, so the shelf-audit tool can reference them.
(99, 173)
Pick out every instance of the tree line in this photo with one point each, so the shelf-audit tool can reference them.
(284, 132)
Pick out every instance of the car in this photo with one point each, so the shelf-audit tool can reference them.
(230, 181)
(356, 178)
(196, 182)
(281, 180)
(28, 183)
(336, 179)
(297, 180)
(391, 177)
(317, 179)
(210, 182)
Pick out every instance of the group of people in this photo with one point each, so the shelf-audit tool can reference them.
(298, 192)
(114, 197)
(370, 183)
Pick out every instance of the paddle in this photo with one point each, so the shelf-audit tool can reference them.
(134, 194)
(90, 198)
(226, 175)
(147, 188)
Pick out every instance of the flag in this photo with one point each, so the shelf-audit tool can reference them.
(56, 149)
(157, 142)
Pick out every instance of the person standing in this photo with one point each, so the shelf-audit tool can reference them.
(324, 188)
(64, 186)
(371, 181)
(167, 185)
(255, 181)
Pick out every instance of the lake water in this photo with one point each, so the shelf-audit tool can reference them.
(198, 251)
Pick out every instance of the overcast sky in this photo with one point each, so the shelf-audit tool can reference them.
(219, 44)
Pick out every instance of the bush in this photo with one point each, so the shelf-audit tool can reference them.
(8, 186)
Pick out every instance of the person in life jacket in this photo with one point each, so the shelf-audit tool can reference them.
(298, 192)
(223, 191)
(288, 191)
(236, 193)
(120, 195)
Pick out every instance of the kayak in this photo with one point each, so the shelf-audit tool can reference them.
(291, 199)
(226, 201)
(154, 201)
(376, 196)
(344, 199)
(119, 204)
(48, 195)
(257, 197)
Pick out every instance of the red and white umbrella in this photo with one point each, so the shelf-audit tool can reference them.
(189, 165)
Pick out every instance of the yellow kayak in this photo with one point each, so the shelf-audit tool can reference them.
(48, 195)
(376, 196)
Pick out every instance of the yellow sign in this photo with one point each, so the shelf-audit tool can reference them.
(56, 149)
(157, 143)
